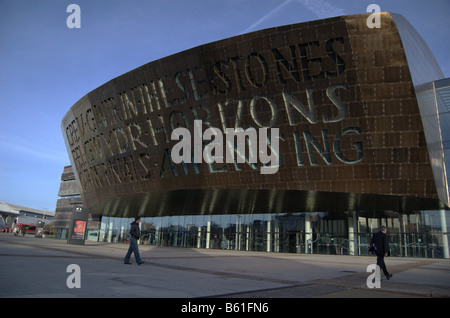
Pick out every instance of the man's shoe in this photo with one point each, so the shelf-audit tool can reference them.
(388, 276)
(141, 263)
(128, 263)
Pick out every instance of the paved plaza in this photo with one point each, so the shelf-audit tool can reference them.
(37, 268)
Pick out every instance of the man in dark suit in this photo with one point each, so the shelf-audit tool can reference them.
(380, 246)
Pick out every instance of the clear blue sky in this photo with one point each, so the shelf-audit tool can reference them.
(46, 67)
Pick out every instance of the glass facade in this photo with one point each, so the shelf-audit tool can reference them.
(442, 98)
(415, 234)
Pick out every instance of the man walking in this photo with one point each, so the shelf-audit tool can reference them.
(380, 245)
(135, 233)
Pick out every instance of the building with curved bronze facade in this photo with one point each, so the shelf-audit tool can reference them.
(360, 142)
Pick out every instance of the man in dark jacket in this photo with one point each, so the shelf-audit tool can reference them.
(135, 233)
(380, 246)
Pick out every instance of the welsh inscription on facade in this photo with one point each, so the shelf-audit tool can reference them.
(114, 141)
(125, 127)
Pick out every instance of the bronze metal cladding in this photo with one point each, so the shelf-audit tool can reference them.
(341, 94)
